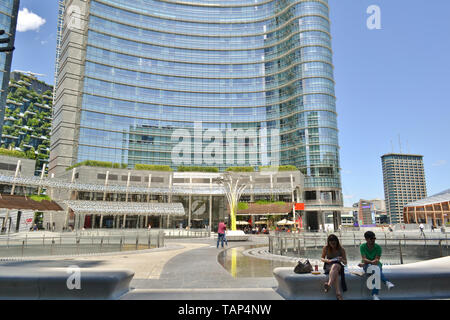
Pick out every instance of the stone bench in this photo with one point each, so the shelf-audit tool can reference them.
(51, 284)
(421, 280)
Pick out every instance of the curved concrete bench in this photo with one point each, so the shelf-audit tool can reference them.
(51, 283)
(421, 280)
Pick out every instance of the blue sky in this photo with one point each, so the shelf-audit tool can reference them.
(390, 82)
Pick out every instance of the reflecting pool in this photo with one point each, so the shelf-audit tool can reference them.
(242, 266)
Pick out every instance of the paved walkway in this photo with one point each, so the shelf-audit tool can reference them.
(184, 269)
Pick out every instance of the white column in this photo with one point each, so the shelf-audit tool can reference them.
(292, 188)
(66, 220)
(128, 185)
(15, 176)
(210, 207)
(189, 211)
(190, 204)
(126, 198)
(271, 185)
(169, 198)
(42, 177)
(149, 185)
(252, 196)
(52, 189)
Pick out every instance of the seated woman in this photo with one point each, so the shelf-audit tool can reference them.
(334, 257)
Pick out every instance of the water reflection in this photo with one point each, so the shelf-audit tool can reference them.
(241, 266)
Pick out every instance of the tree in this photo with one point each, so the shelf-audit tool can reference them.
(31, 153)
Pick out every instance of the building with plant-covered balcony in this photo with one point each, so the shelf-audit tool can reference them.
(28, 115)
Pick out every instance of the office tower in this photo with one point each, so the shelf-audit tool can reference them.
(370, 212)
(366, 213)
(8, 21)
(404, 182)
(61, 13)
(135, 74)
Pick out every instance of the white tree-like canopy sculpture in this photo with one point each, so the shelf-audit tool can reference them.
(233, 191)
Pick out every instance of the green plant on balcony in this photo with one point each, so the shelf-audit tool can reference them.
(39, 198)
(95, 163)
(197, 169)
(13, 153)
(270, 202)
(152, 167)
(240, 169)
(242, 206)
(280, 168)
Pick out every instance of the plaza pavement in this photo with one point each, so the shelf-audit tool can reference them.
(185, 269)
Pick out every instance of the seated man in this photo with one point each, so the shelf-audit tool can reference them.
(371, 254)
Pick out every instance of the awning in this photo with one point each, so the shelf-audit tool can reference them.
(132, 208)
(214, 189)
(25, 203)
(285, 222)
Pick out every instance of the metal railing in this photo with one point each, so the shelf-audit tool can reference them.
(35, 244)
(169, 233)
(398, 248)
(183, 233)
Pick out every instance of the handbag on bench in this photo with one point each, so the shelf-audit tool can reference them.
(303, 267)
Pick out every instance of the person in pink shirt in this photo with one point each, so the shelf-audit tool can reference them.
(221, 233)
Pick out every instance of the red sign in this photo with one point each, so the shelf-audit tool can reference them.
(29, 221)
(299, 206)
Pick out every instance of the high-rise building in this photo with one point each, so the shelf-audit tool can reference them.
(28, 117)
(200, 82)
(404, 182)
(61, 13)
(8, 21)
(370, 212)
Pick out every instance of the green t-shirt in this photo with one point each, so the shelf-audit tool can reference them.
(370, 254)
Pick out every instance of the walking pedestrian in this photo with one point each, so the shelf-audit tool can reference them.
(225, 235)
(421, 227)
(221, 233)
(371, 254)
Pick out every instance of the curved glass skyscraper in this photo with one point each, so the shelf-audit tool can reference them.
(223, 83)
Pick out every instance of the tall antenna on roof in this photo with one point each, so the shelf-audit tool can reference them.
(400, 143)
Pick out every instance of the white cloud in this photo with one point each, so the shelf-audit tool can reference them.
(440, 163)
(29, 21)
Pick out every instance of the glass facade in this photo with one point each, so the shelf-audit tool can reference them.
(153, 68)
(61, 12)
(8, 20)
